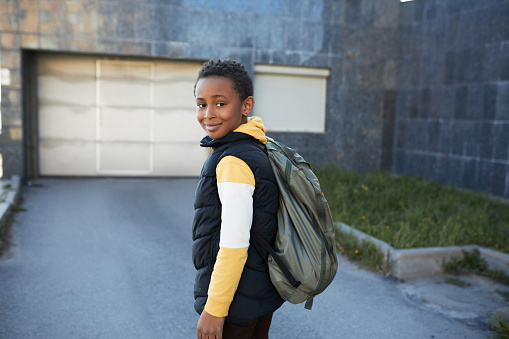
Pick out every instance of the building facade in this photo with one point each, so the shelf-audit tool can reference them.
(103, 87)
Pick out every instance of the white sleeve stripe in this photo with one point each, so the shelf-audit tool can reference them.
(236, 214)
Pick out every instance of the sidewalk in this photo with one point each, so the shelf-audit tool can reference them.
(140, 229)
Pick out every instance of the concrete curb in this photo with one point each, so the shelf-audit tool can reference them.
(425, 262)
(9, 197)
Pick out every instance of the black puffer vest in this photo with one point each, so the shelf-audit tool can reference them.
(255, 295)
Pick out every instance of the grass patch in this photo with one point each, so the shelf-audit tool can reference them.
(504, 294)
(410, 212)
(501, 328)
(474, 263)
(456, 282)
(6, 186)
(364, 252)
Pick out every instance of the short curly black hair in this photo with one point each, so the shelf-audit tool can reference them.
(230, 69)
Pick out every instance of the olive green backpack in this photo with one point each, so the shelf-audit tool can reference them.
(302, 261)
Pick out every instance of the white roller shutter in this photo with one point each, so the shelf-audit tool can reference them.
(291, 99)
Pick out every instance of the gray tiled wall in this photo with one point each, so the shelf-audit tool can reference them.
(419, 87)
(452, 107)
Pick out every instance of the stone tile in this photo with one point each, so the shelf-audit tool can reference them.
(49, 42)
(159, 28)
(28, 17)
(450, 76)
(432, 69)
(504, 63)
(107, 46)
(178, 50)
(134, 48)
(493, 62)
(11, 101)
(386, 14)
(501, 137)
(263, 31)
(433, 130)
(424, 103)
(441, 102)
(409, 72)
(336, 39)
(30, 41)
(144, 19)
(445, 142)
(292, 58)
(277, 35)
(388, 134)
(486, 140)
(293, 31)
(14, 79)
(10, 59)
(10, 17)
(503, 102)
(469, 174)
(314, 60)
(462, 65)
(460, 103)
(215, 4)
(107, 20)
(476, 63)
(194, 3)
(484, 175)
(126, 21)
(49, 17)
(490, 95)
(83, 45)
(499, 184)
(263, 57)
(10, 41)
(475, 102)
(498, 25)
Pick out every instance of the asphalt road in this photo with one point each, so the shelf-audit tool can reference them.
(111, 258)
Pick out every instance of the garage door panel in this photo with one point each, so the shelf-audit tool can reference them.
(177, 126)
(124, 94)
(179, 159)
(125, 157)
(66, 158)
(76, 66)
(67, 122)
(174, 95)
(66, 90)
(125, 70)
(126, 124)
(176, 71)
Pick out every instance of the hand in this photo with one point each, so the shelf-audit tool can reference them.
(209, 327)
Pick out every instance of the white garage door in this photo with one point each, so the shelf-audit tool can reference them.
(102, 116)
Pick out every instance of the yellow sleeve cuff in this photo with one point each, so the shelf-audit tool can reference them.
(217, 308)
(225, 280)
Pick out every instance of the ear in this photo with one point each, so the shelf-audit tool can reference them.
(247, 106)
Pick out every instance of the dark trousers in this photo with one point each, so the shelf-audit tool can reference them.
(254, 329)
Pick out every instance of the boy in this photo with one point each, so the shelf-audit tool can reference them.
(236, 194)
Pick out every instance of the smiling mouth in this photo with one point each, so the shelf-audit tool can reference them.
(212, 128)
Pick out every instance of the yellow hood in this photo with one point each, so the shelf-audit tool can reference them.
(254, 127)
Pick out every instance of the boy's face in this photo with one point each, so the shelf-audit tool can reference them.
(218, 106)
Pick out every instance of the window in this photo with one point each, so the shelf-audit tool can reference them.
(291, 99)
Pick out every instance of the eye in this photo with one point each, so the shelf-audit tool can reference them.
(201, 105)
(220, 104)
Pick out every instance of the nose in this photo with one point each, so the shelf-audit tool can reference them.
(208, 112)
